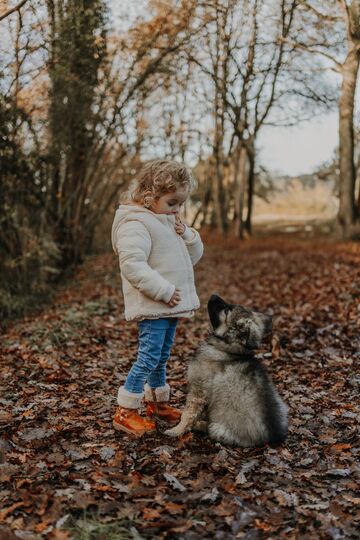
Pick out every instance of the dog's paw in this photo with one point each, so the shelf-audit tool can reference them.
(173, 432)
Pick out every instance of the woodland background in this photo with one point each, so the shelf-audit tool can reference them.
(85, 100)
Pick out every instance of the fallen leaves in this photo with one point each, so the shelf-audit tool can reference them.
(59, 455)
(174, 482)
(6, 511)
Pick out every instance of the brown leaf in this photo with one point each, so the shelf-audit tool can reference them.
(57, 534)
(151, 513)
(7, 534)
(9, 509)
(275, 347)
(340, 447)
(174, 508)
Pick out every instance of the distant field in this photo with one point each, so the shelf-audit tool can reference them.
(297, 204)
(296, 207)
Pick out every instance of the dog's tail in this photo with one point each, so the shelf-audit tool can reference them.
(277, 437)
(276, 414)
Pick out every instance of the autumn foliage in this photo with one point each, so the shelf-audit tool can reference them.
(61, 369)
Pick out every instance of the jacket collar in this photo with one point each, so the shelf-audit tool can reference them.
(137, 209)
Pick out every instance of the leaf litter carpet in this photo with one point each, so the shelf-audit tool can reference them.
(60, 458)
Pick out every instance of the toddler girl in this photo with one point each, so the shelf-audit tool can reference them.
(156, 253)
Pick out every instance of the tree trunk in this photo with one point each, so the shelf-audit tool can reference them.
(240, 182)
(219, 199)
(347, 212)
(204, 207)
(197, 214)
(250, 200)
(76, 56)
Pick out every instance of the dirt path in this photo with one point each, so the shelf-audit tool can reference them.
(59, 455)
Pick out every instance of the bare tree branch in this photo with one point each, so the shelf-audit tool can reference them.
(313, 51)
(12, 10)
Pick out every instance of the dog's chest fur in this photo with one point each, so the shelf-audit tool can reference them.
(212, 369)
(232, 388)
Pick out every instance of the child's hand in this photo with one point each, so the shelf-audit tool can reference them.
(179, 226)
(175, 299)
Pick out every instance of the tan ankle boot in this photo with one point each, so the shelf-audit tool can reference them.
(130, 421)
(157, 404)
(163, 410)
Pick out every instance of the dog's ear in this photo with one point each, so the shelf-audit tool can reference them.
(215, 306)
(216, 302)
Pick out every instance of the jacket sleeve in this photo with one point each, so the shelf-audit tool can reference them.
(133, 244)
(194, 244)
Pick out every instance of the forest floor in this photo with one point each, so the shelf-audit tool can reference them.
(65, 473)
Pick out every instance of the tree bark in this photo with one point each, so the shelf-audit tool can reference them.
(250, 199)
(347, 213)
(12, 10)
(219, 200)
(240, 183)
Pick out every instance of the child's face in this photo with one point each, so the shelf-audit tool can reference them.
(170, 203)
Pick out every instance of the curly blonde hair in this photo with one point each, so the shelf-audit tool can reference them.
(155, 179)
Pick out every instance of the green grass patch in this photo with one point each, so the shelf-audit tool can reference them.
(88, 528)
(14, 306)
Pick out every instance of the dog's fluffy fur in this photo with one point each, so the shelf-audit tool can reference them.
(230, 393)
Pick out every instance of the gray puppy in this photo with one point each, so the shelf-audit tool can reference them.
(231, 395)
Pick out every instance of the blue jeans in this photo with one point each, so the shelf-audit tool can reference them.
(156, 337)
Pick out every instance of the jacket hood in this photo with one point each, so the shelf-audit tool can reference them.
(127, 212)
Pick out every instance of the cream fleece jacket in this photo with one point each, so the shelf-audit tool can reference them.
(154, 260)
